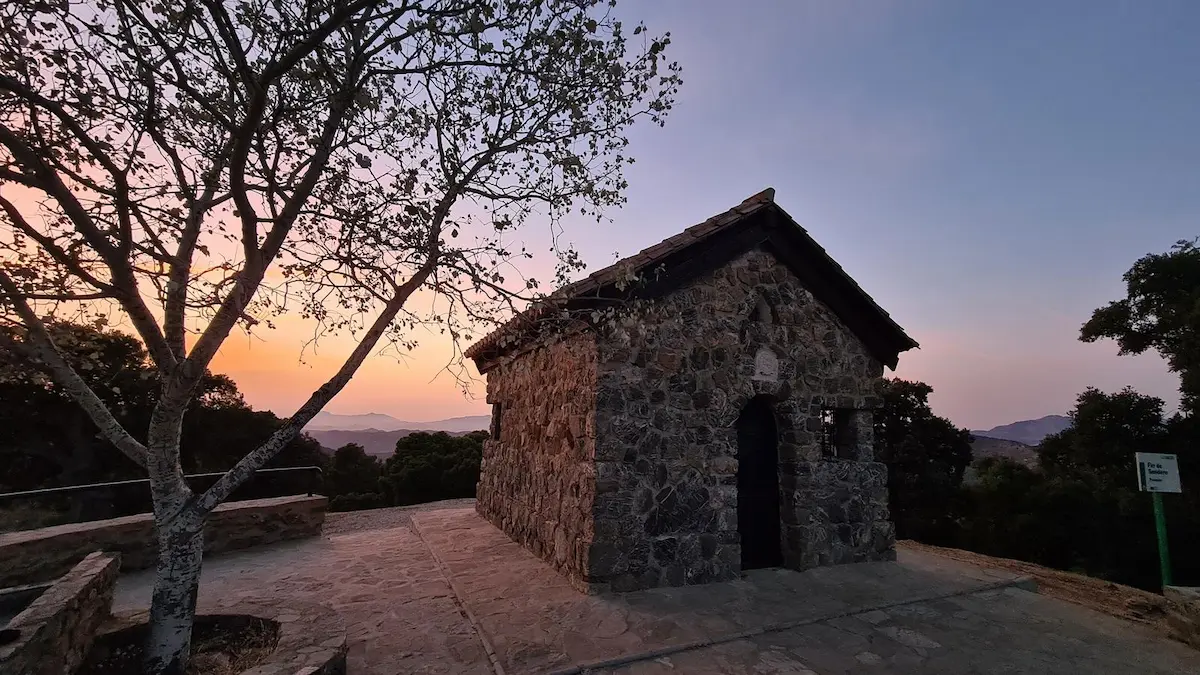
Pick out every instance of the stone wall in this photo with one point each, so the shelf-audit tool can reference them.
(57, 629)
(671, 383)
(34, 556)
(537, 481)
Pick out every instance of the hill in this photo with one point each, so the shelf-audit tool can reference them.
(326, 421)
(1028, 432)
(983, 447)
(376, 442)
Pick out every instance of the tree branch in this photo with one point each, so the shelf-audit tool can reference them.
(245, 468)
(234, 305)
(124, 282)
(46, 352)
(51, 247)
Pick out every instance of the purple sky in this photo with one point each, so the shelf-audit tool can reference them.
(987, 171)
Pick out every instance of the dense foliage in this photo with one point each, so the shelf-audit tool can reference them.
(46, 439)
(927, 456)
(196, 168)
(429, 466)
(1079, 508)
(425, 467)
(352, 478)
(1161, 311)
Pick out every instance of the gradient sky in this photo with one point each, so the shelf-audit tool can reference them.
(987, 171)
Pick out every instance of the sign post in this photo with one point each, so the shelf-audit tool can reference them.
(1159, 473)
(1160, 525)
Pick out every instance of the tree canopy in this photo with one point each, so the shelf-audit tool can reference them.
(159, 160)
(428, 466)
(47, 440)
(926, 456)
(1079, 508)
(191, 169)
(425, 467)
(1160, 311)
(1106, 430)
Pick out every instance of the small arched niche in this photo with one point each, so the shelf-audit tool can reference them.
(763, 312)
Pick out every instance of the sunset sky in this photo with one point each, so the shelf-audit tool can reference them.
(987, 171)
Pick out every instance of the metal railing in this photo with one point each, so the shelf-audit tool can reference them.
(314, 483)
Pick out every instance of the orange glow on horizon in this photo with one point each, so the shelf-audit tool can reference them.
(276, 371)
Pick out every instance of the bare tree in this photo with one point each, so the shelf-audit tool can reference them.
(200, 166)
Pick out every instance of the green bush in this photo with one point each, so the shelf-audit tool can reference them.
(358, 501)
(431, 466)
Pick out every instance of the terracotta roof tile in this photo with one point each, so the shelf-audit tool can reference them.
(713, 224)
(680, 240)
(656, 251)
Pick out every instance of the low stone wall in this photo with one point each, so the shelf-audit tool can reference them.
(35, 556)
(56, 631)
(1183, 613)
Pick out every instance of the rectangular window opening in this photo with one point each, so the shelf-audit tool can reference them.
(496, 421)
(828, 433)
(836, 440)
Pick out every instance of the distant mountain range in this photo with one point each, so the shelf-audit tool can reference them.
(1014, 441)
(375, 442)
(326, 421)
(1028, 432)
(378, 433)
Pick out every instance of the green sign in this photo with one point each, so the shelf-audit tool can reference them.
(1159, 473)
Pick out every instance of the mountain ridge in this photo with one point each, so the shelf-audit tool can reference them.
(374, 441)
(327, 421)
(1027, 432)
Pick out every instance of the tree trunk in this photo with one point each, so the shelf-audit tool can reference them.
(173, 607)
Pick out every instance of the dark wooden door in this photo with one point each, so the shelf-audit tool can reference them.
(758, 486)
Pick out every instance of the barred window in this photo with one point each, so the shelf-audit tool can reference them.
(835, 436)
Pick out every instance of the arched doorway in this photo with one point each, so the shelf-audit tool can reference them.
(758, 485)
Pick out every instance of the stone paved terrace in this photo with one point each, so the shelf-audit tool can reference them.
(438, 590)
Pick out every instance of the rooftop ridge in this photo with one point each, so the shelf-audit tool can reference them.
(767, 196)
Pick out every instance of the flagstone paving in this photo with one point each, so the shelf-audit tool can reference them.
(400, 614)
(438, 590)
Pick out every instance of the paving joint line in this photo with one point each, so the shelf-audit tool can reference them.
(1022, 582)
(460, 599)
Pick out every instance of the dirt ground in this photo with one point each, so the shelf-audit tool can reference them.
(1123, 602)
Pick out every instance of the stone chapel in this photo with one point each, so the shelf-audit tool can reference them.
(698, 409)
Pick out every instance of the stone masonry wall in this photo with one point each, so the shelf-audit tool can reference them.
(537, 481)
(34, 556)
(56, 631)
(672, 383)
